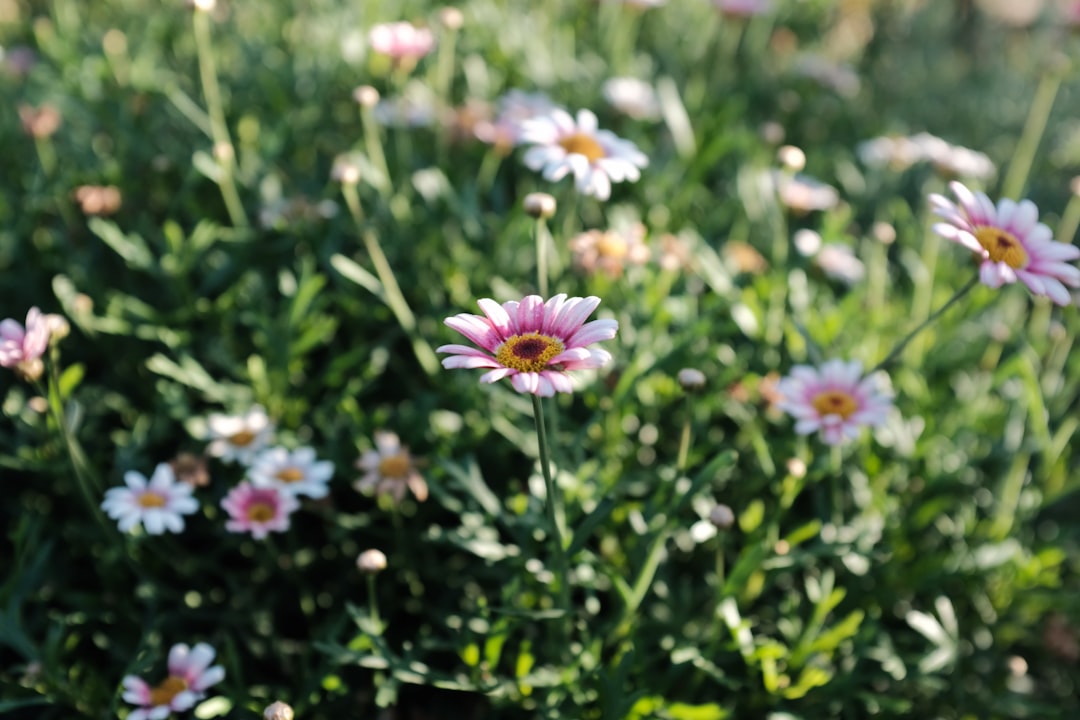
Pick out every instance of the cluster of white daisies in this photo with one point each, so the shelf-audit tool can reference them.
(275, 480)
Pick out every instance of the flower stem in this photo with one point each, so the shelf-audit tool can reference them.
(684, 439)
(540, 235)
(1034, 128)
(559, 559)
(391, 291)
(895, 352)
(374, 146)
(373, 604)
(219, 130)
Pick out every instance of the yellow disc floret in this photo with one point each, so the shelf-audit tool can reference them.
(169, 688)
(395, 466)
(530, 352)
(1002, 246)
(835, 402)
(151, 500)
(582, 144)
(290, 475)
(260, 512)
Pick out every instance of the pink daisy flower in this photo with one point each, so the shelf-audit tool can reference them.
(401, 40)
(535, 344)
(258, 510)
(190, 674)
(835, 399)
(1010, 242)
(19, 344)
(597, 158)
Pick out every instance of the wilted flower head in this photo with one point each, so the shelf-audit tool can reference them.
(609, 251)
(691, 379)
(1009, 241)
(535, 344)
(633, 97)
(514, 108)
(158, 505)
(402, 41)
(98, 199)
(191, 469)
(239, 438)
(258, 510)
(834, 399)
(596, 158)
(22, 346)
(190, 674)
(390, 469)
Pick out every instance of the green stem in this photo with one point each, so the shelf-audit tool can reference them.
(391, 291)
(224, 151)
(540, 235)
(1070, 220)
(559, 559)
(924, 324)
(1034, 128)
(684, 439)
(373, 144)
(373, 603)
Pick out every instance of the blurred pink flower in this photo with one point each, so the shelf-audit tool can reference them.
(595, 157)
(610, 251)
(190, 674)
(743, 8)
(1009, 241)
(402, 41)
(258, 510)
(835, 399)
(390, 469)
(19, 344)
(533, 343)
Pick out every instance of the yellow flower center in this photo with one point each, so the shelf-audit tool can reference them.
(1002, 246)
(260, 512)
(242, 438)
(835, 402)
(529, 352)
(582, 144)
(151, 499)
(612, 245)
(395, 466)
(169, 688)
(290, 475)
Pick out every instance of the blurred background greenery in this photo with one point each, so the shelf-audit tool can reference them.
(929, 570)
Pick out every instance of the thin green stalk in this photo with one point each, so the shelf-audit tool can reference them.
(684, 438)
(559, 559)
(373, 603)
(540, 236)
(224, 150)
(374, 146)
(924, 324)
(1034, 128)
(391, 291)
(1070, 220)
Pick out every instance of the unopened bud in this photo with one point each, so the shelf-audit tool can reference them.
(366, 96)
(371, 562)
(203, 5)
(791, 157)
(59, 328)
(223, 151)
(691, 379)
(38, 404)
(796, 468)
(539, 205)
(722, 517)
(30, 370)
(278, 711)
(346, 169)
(451, 18)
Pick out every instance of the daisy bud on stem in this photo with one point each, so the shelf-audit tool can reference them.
(692, 380)
(371, 563)
(278, 711)
(540, 206)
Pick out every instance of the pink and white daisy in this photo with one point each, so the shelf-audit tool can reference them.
(24, 344)
(239, 438)
(835, 399)
(159, 504)
(515, 108)
(190, 674)
(597, 158)
(1009, 241)
(535, 344)
(390, 469)
(258, 510)
(296, 473)
(402, 41)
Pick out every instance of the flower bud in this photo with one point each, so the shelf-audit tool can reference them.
(278, 711)
(366, 96)
(539, 205)
(59, 328)
(791, 157)
(30, 370)
(203, 5)
(371, 562)
(722, 517)
(346, 169)
(691, 379)
(451, 18)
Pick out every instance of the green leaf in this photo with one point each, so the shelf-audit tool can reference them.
(70, 379)
(350, 270)
(130, 247)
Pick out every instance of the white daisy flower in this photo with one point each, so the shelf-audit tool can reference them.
(296, 473)
(158, 504)
(239, 438)
(597, 158)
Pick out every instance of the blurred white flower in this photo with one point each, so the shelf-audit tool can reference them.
(239, 438)
(632, 97)
(296, 472)
(158, 505)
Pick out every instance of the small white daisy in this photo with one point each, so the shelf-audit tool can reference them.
(158, 504)
(597, 158)
(296, 473)
(239, 438)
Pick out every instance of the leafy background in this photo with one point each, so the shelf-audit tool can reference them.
(928, 570)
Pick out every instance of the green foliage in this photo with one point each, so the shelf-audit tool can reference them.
(928, 569)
